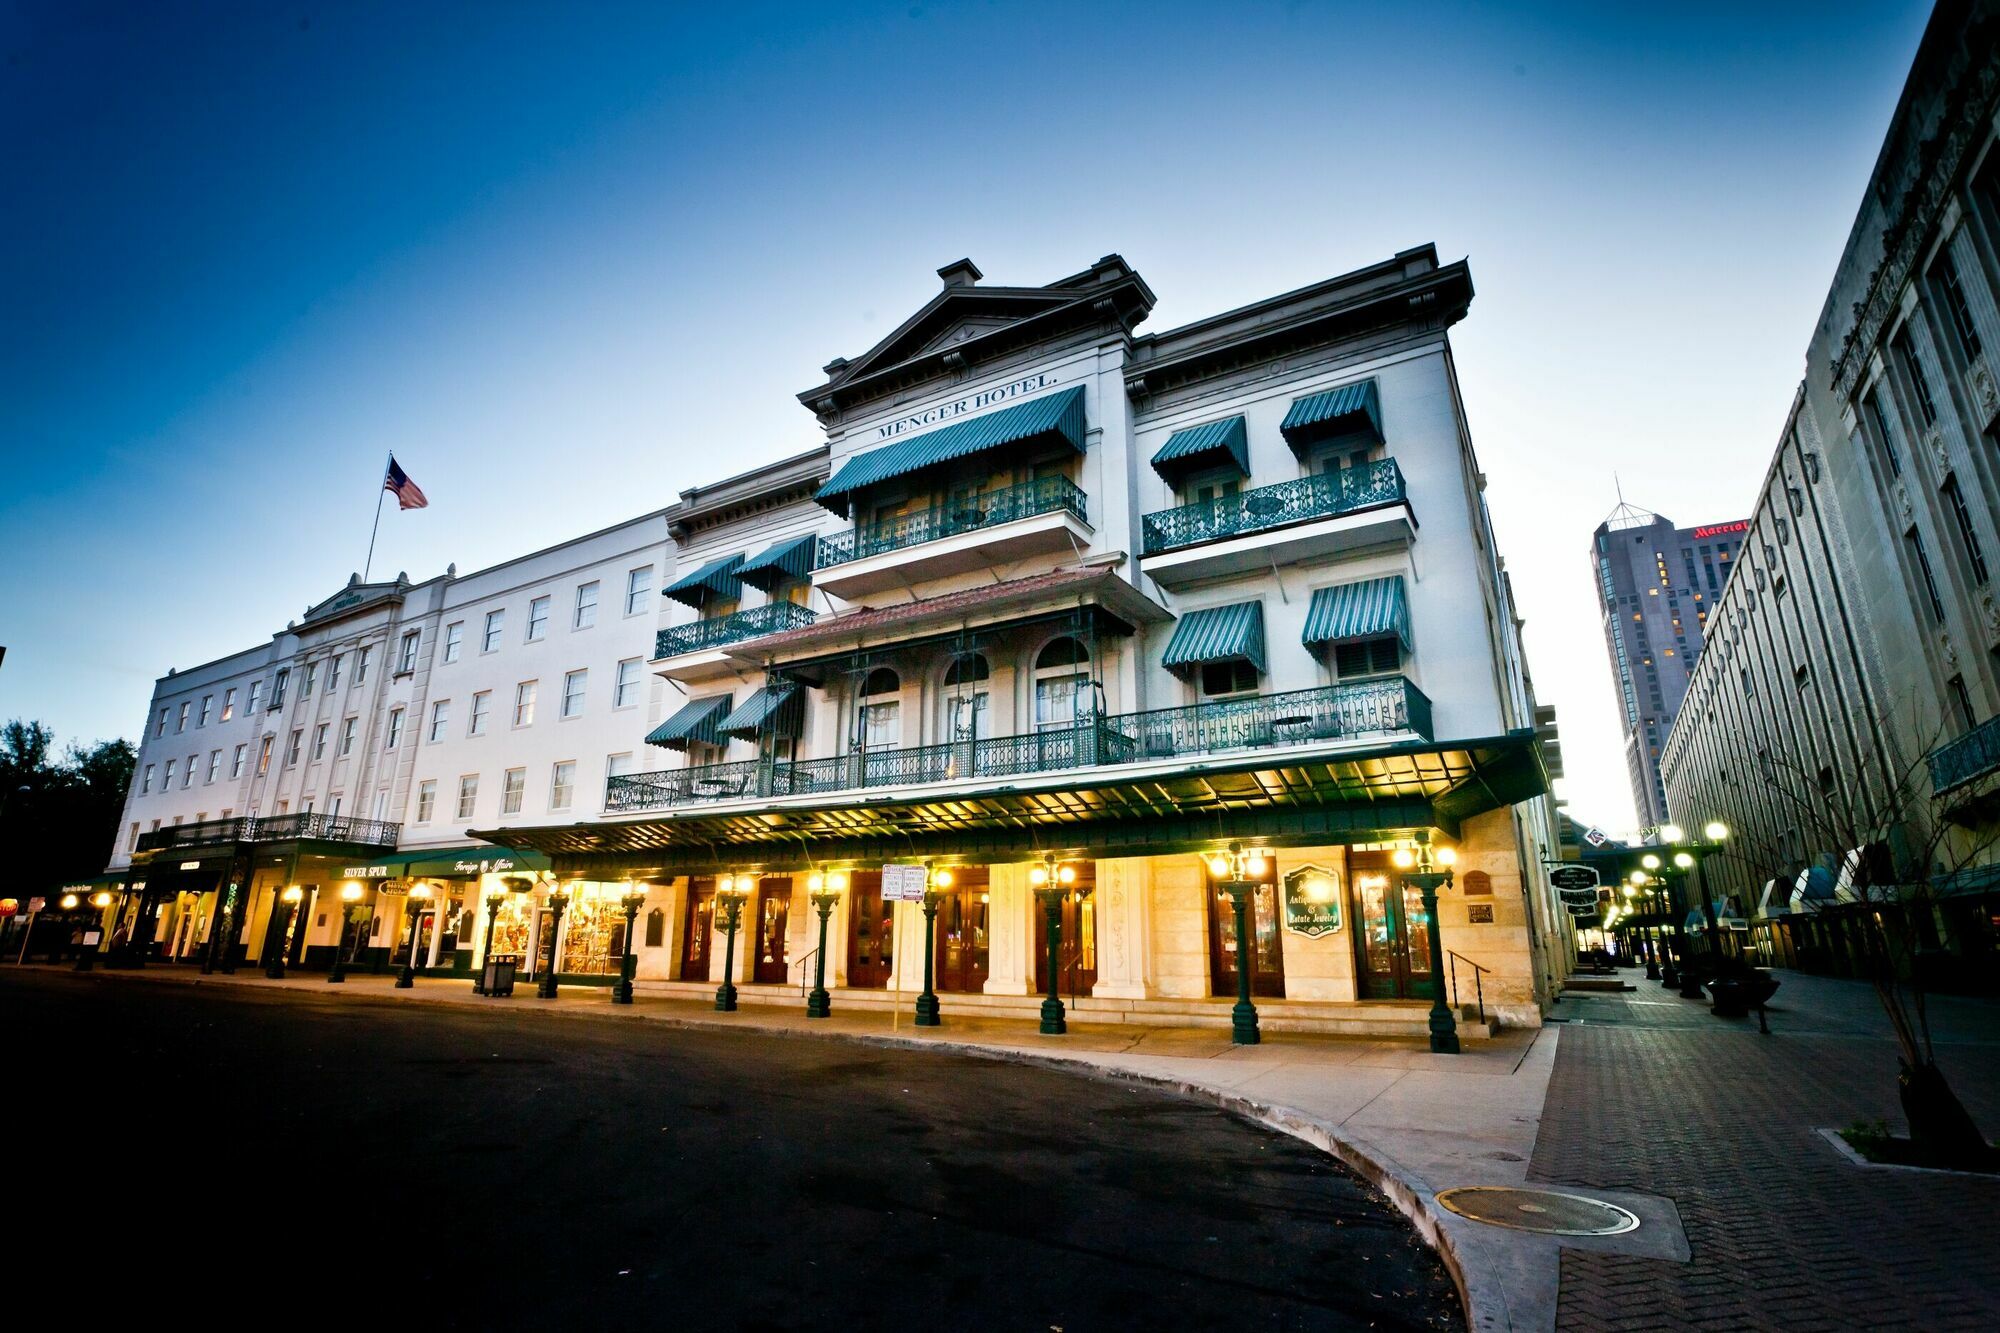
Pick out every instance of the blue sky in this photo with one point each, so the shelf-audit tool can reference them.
(567, 260)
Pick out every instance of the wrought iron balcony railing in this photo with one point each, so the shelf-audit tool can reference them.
(1322, 495)
(1386, 706)
(1966, 759)
(274, 828)
(969, 513)
(732, 628)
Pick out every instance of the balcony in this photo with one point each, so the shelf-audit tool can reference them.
(274, 828)
(1320, 515)
(1387, 707)
(1961, 762)
(1038, 517)
(693, 652)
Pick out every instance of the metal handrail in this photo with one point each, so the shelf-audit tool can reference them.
(1321, 495)
(274, 828)
(1478, 988)
(1966, 758)
(732, 628)
(804, 976)
(963, 513)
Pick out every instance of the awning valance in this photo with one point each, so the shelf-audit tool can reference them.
(717, 578)
(785, 562)
(774, 708)
(1224, 443)
(1217, 634)
(1053, 417)
(1350, 611)
(697, 720)
(1321, 416)
(479, 859)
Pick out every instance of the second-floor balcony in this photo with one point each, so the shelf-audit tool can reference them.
(701, 635)
(966, 532)
(1965, 760)
(1321, 514)
(306, 825)
(1389, 706)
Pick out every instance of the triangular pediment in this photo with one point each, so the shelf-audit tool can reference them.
(954, 316)
(356, 596)
(959, 332)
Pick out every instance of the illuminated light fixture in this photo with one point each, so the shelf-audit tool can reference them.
(69, 902)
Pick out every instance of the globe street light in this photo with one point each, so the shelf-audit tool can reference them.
(1237, 873)
(350, 894)
(495, 897)
(824, 890)
(1658, 891)
(545, 989)
(288, 903)
(729, 895)
(420, 894)
(628, 963)
(936, 881)
(1053, 882)
(1430, 872)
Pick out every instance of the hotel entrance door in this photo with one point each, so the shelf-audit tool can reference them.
(1078, 940)
(871, 935)
(1267, 954)
(774, 906)
(1391, 932)
(700, 925)
(962, 939)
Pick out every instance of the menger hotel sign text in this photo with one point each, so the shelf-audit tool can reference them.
(943, 412)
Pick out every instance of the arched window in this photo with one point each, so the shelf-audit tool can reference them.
(881, 709)
(1061, 652)
(969, 669)
(881, 681)
(1061, 683)
(966, 702)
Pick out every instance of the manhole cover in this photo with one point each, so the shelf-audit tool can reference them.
(1545, 1211)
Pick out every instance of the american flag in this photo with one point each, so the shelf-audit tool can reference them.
(407, 493)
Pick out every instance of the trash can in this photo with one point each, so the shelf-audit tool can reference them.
(498, 978)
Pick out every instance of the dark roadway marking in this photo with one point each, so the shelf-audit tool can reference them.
(210, 1153)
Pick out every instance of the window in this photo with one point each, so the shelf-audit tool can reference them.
(228, 704)
(347, 729)
(1920, 386)
(440, 715)
(524, 703)
(482, 703)
(407, 662)
(1801, 676)
(292, 748)
(454, 639)
(538, 618)
(187, 774)
(207, 708)
(427, 797)
(1367, 657)
(278, 687)
(319, 741)
(333, 806)
(181, 723)
(572, 695)
(264, 756)
(395, 729)
(512, 784)
(638, 589)
(562, 783)
(381, 810)
(618, 765)
(1962, 702)
(1967, 535)
(967, 703)
(468, 795)
(214, 766)
(161, 730)
(881, 727)
(1749, 684)
(1923, 559)
(311, 676)
(1945, 274)
(585, 614)
(333, 673)
(133, 844)
(170, 776)
(1058, 685)
(496, 621)
(236, 759)
(1232, 677)
(146, 779)
(625, 691)
(362, 657)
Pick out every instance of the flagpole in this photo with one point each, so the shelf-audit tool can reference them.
(380, 491)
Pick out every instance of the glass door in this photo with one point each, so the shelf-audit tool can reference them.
(695, 941)
(871, 935)
(962, 938)
(774, 906)
(1078, 941)
(1267, 954)
(1392, 934)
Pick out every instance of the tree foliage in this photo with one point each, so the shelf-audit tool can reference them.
(58, 813)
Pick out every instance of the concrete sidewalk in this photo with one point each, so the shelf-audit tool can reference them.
(1410, 1122)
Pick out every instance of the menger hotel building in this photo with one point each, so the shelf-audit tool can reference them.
(1057, 609)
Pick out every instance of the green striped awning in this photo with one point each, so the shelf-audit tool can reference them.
(697, 720)
(1351, 407)
(1211, 444)
(775, 708)
(1052, 417)
(717, 578)
(789, 560)
(1217, 634)
(1349, 611)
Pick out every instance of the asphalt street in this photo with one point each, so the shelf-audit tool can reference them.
(315, 1159)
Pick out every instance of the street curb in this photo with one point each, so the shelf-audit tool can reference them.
(1485, 1305)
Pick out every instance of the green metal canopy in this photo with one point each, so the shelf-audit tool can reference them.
(785, 562)
(478, 859)
(1349, 611)
(697, 720)
(774, 708)
(1053, 417)
(1217, 634)
(1351, 407)
(1212, 444)
(717, 578)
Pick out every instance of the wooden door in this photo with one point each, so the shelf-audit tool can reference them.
(871, 934)
(963, 938)
(1078, 940)
(774, 906)
(698, 938)
(1391, 934)
(1267, 954)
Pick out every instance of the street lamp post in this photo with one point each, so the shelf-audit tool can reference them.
(824, 891)
(1715, 834)
(350, 894)
(1052, 882)
(495, 897)
(288, 904)
(936, 881)
(729, 895)
(419, 895)
(558, 904)
(628, 962)
(87, 959)
(1236, 873)
(1430, 872)
(1653, 879)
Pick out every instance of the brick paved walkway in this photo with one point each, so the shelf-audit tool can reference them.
(1651, 1093)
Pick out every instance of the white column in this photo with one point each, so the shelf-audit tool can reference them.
(1123, 902)
(1010, 921)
